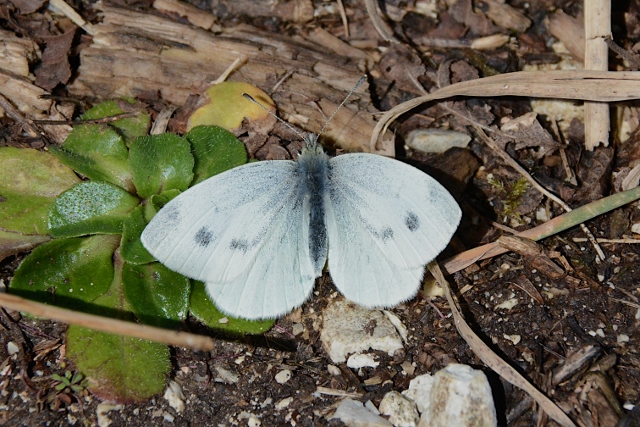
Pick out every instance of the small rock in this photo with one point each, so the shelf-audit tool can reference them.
(359, 360)
(173, 394)
(297, 329)
(395, 321)
(515, 338)
(252, 419)
(334, 370)
(101, 413)
(353, 414)
(284, 403)
(623, 338)
(225, 376)
(402, 412)
(457, 395)
(168, 417)
(12, 348)
(283, 376)
(370, 406)
(436, 140)
(507, 304)
(348, 328)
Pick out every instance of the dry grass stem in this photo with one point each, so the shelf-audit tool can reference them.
(597, 27)
(230, 69)
(515, 165)
(602, 86)
(105, 324)
(63, 8)
(343, 17)
(383, 29)
(493, 361)
(549, 228)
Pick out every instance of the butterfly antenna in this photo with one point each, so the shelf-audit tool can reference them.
(310, 138)
(250, 98)
(362, 79)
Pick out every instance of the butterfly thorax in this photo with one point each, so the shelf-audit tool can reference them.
(314, 169)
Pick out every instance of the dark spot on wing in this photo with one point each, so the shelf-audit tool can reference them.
(172, 213)
(239, 245)
(412, 221)
(203, 237)
(386, 234)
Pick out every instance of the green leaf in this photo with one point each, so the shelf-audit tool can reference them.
(57, 377)
(29, 182)
(131, 127)
(13, 243)
(204, 310)
(69, 273)
(159, 163)
(157, 201)
(157, 295)
(120, 369)
(215, 150)
(131, 247)
(90, 207)
(98, 152)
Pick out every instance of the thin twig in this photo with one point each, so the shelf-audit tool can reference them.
(630, 57)
(383, 29)
(66, 10)
(76, 122)
(282, 80)
(161, 122)
(493, 361)
(230, 69)
(104, 324)
(13, 113)
(602, 86)
(343, 16)
(549, 228)
(601, 240)
(597, 26)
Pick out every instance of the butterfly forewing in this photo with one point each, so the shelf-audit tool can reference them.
(385, 221)
(234, 231)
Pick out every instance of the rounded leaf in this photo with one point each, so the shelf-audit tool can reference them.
(67, 272)
(224, 105)
(131, 247)
(90, 207)
(130, 127)
(98, 152)
(215, 150)
(203, 309)
(117, 368)
(157, 295)
(29, 182)
(159, 163)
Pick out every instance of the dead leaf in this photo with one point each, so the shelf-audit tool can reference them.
(526, 132)
(55, 66)
(27, 6)
(593, 174)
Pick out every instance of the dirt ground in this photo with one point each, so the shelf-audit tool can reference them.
(571, 329)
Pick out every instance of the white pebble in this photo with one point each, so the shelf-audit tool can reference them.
(283, 376)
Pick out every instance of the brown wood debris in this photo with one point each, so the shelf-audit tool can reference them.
(135, 53)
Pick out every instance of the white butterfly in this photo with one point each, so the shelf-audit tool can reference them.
(260, 234)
